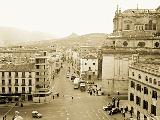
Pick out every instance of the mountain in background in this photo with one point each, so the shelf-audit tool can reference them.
(12, 36)
(93, 39)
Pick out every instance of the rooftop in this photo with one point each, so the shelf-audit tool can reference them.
(19, 67)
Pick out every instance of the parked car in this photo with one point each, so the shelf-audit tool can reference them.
(36, 114)
(109, 106)
(67, 76)
(114, 111)
(73, 77)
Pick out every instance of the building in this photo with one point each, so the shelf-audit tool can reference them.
(135, 28)
(89, 67)
(43, 72)
(144, 89)
(136, 22)
(17, 81)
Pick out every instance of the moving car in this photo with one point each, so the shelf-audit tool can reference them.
(114, 111)
(109, 106)
(36, 114)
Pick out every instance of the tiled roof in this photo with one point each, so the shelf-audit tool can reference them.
(21, 67)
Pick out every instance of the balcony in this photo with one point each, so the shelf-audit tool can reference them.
(16, 84)
(23, 84)
(30, 76)
(3, 84)
(23, 76)
(30, 84)
(9, 84)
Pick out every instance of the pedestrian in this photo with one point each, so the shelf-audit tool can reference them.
(130, 112)
(72, 97)
(124, 113)
(53, 96)
(118, 104)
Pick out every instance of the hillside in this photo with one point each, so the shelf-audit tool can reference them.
(93, 39)
(13, 36)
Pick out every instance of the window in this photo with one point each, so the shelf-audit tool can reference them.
(3, 82)
(9, 89)
(145, 90)
(89, 68)
(37, 79)
(132, 84)
(153, 109)
(30, 74)
(155, 81)
(23, 89)
(16, 89)
(9, 82)
(30, 81)
(150, 80)
(16, 81)
(30, 89)
(37, 73)
(146, 78)
(3, 89)
(93, 73)
(138, 87)
(127, 27)
(37, 66)
(93, 63)
(131, 97)
(146, 26)
(23, 74)
(150, 25)
(154, 26)
(139, 76)
(158, 83)
(16, 74)
(85, 63)
(154, 94)
(9, 74)
(138, 100)
(145, 105)
(23, 81)
(132, 73)
(2, 74)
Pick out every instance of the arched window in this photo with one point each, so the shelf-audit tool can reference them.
(146, 78)
(141, 44)
(150, 25)
(125, 43)
(127, 27)
(156, 44)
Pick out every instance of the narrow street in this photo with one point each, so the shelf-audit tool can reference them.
(82, 107)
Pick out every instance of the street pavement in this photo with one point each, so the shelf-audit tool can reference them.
(82, 107)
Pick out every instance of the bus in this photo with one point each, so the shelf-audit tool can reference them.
(42, 97)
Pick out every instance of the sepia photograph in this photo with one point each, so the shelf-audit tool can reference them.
(79, 59)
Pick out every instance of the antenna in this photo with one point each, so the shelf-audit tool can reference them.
(137, 6)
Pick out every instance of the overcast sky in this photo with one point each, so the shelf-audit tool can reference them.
(62, 17)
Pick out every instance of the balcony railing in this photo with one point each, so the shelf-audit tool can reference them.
(16, 84)
(23, 84)
(3, 84)
(9, 84)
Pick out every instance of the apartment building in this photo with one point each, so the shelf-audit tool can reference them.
(144, 90)
(42, 71)
(17, 81)
(89, 67)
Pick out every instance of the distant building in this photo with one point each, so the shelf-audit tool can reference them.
(144, 90)
(89, 67)
(17, 81)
